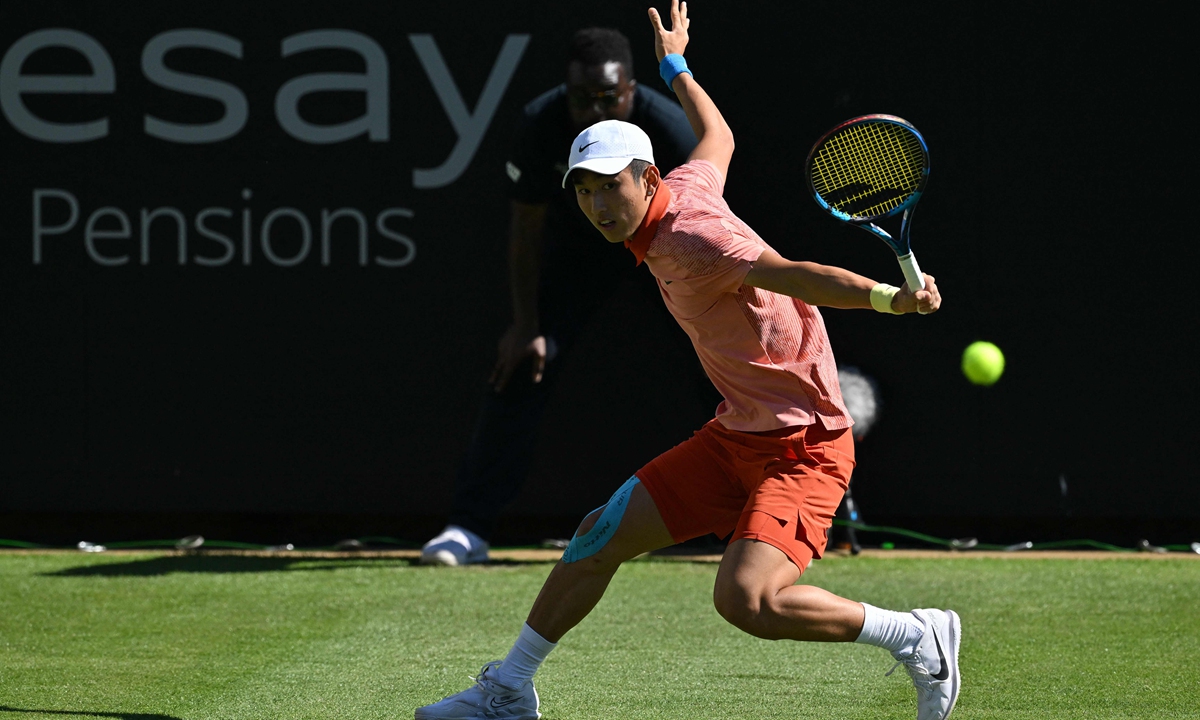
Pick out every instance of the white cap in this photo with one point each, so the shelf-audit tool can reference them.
(608, 147)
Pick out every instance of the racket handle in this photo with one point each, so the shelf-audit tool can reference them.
(912, 272)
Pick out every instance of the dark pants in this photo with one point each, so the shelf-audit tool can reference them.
(501, 447)
(500, 450)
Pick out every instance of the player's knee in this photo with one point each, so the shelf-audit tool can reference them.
(592, 540)
(601, 560)
(735, 605)
(746, 609)
(589, 522)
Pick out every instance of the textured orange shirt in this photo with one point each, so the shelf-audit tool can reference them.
(767, 354)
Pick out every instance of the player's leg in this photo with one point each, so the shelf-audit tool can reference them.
(782, 530)
(756, 592)
(574, 588)
(625, 527)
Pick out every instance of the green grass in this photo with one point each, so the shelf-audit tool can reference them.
(154, 637)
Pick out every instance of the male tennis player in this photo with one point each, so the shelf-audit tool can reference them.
(770, 469)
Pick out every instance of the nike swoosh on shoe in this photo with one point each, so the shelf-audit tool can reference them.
(944, 667)
(497, 705)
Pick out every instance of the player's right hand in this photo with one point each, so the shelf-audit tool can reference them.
(516, 344)
(675, 40)
(922, 301)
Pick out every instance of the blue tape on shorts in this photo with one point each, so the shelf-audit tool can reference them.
(606, 525)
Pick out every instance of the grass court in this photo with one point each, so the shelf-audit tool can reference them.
(163, 636)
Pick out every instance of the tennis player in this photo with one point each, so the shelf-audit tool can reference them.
(771, 468)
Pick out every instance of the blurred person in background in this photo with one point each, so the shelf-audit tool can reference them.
(558, 276)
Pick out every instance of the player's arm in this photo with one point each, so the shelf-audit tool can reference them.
(830, 286)
(715, 139)
(523, 338)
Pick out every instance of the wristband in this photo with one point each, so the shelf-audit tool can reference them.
(881, 298)
(671, 67)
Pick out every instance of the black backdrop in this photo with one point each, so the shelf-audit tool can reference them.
(158, 396)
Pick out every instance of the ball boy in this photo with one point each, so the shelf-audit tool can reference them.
(771, 468)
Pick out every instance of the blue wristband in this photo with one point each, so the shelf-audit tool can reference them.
(671, 67)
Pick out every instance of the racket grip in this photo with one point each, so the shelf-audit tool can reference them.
(912, 272)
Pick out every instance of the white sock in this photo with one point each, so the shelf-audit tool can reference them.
(524, 659)
(898, 632)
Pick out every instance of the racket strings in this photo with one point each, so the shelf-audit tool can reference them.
(873, 154)
(865, 159)
(868, 169)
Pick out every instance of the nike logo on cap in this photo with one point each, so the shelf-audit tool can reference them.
(585, 147)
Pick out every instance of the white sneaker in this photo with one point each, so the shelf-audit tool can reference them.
(455, 546)
(933, 666)
(486, 700)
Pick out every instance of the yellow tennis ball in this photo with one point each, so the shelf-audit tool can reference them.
(983, 363)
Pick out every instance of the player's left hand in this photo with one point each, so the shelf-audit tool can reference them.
(922, 301)
(675, 40)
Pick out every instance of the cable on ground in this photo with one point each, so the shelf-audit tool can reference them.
(196, 542)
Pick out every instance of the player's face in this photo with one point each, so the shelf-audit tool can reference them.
(617, 203)
(598, 92)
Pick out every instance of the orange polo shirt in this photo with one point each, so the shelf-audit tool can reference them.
(767, 354)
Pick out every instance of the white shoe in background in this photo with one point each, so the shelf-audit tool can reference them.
(455, 546)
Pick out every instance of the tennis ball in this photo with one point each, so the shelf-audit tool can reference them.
(983, 363)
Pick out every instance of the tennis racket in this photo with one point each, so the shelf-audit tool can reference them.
(871, 170)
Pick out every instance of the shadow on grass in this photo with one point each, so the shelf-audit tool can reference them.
(225, 564)
(91, 713)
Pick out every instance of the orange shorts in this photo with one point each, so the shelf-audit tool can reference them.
(780, 487)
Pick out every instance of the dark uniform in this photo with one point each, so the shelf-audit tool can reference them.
(579, 271)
